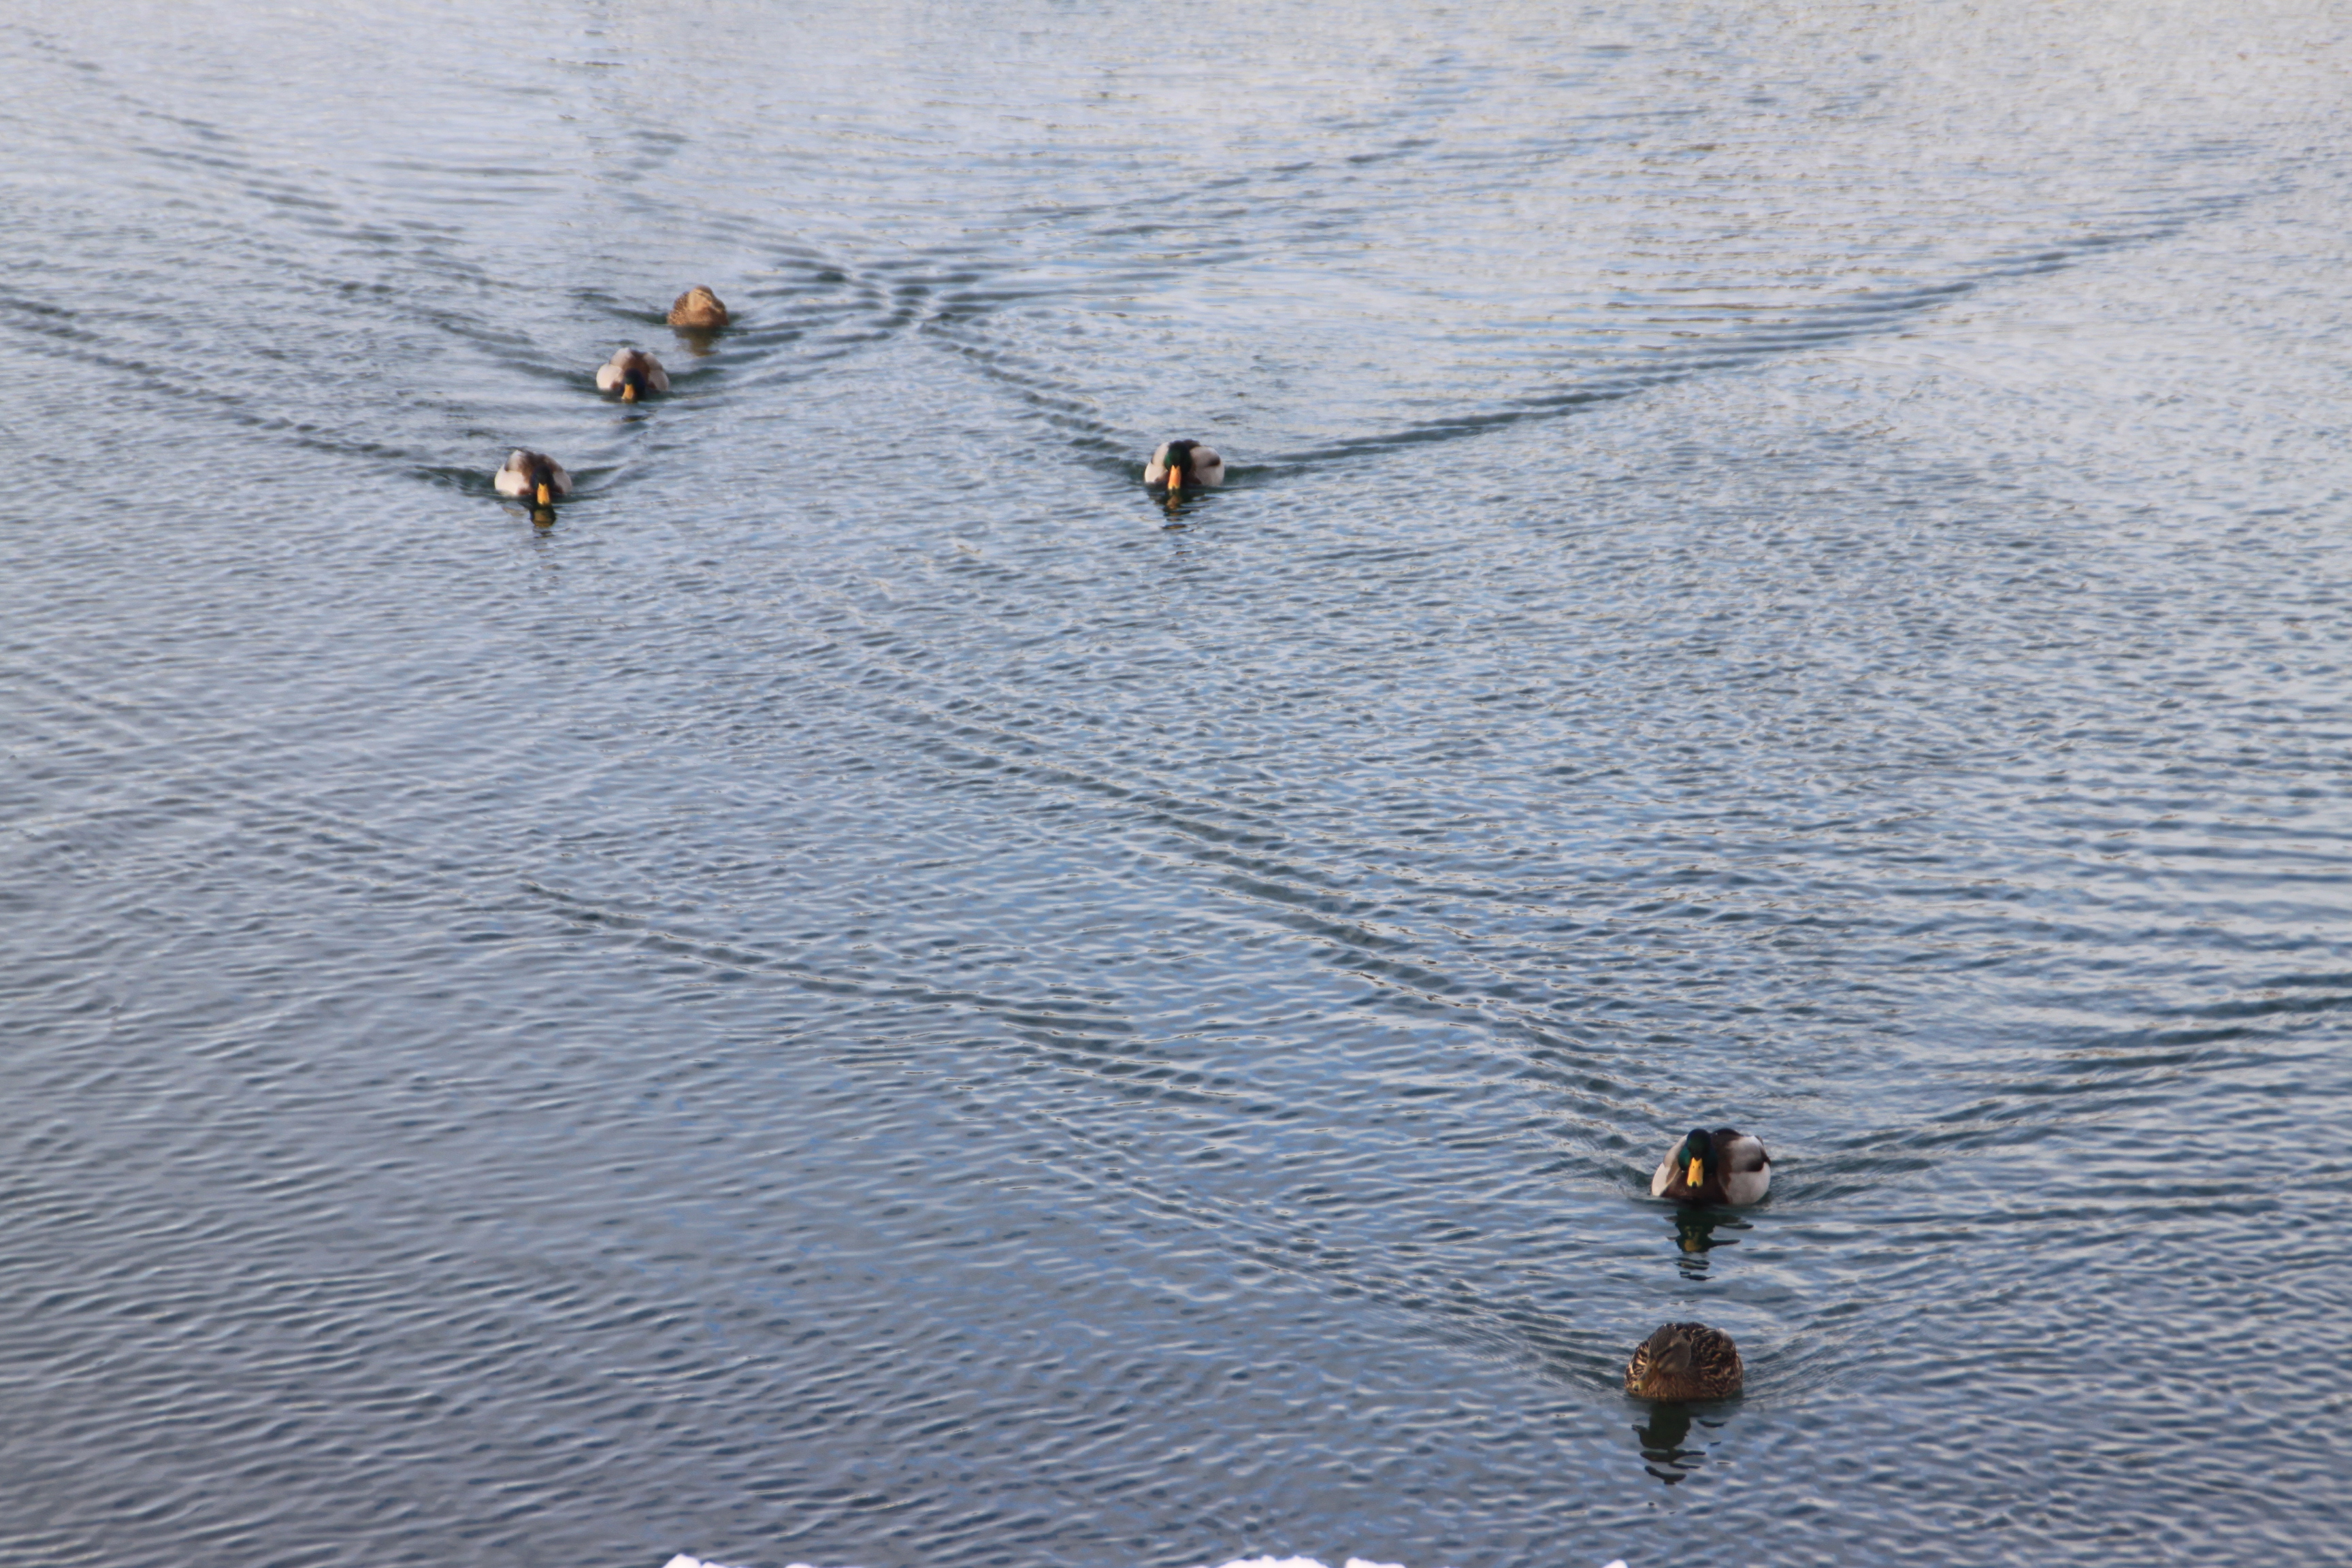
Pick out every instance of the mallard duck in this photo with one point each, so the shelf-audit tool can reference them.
(534, 477)
(698, 310)
(1685, 1361)
(1179, 465)
(1725, 1166)
(631, 372)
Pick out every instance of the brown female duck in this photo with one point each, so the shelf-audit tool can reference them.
(698, 310)
(1685, 1361)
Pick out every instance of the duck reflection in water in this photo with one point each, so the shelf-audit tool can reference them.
(1666, 1450)
(1695, 1237)
(1682, 1370)
(1176, 504)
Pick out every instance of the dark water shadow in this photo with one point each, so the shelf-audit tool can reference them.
(1695, 1237)
(1669, 1449)
(1181, 510)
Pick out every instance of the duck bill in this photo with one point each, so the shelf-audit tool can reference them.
(1696, 1174)
(547, 500)
(1175, 483)
(629, 392)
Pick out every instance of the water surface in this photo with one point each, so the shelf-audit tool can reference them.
(871, 995)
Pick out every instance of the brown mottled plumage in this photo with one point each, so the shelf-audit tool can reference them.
(1685, 1361)
(699, 310)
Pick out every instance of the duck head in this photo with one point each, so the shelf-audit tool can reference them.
(1694, 1156)
(1180, 466)
(539, 481)
(1685, 1361)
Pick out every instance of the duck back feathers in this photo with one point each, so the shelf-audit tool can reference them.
(697, 309)
(1685, 1361)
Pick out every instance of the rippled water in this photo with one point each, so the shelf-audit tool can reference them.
(871, 997)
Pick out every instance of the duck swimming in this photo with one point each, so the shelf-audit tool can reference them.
(1180, 465)
(698, 310)
(1685, 1361)
(534, 477)
(631, 372)
(1724, 1167)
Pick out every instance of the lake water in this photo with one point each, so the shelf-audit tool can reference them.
(871, 995)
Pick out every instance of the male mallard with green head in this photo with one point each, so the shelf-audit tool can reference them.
(1179, 466)
(1685, 1361)
(533, 477)
(698, 310)
(633, 373)
(1726, 1167)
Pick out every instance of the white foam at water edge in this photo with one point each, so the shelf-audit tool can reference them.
(683, 1561)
